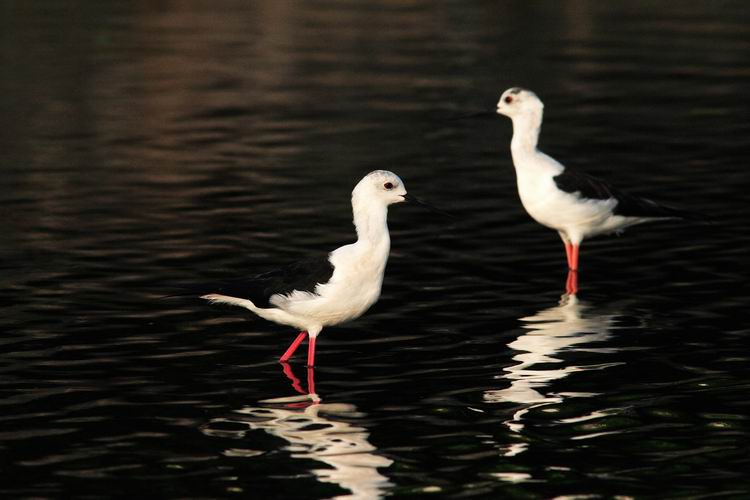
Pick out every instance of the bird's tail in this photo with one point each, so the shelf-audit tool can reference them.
(189, 291)
(647, 208)
(216, 298)
(686, 215)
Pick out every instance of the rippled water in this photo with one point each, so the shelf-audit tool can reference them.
(152, 144)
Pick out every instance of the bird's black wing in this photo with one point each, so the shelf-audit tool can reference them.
(304, 276)
(592, 188)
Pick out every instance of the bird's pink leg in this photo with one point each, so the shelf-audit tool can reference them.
(289, 352)
(311, 352)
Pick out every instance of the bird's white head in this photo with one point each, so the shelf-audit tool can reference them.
(380, 186)
(517, 102)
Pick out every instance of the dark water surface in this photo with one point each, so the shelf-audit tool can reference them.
(146, 144)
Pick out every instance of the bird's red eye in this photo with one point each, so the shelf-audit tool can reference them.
(388, 185)
(508, 99)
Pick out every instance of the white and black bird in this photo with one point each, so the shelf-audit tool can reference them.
(332, 289)
(574, 204)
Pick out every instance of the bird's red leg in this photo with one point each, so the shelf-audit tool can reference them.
(289, 352)
(573, 265)
(571, 286)
(568, 251)
(295, 381)
(310, 380)
(311, 352)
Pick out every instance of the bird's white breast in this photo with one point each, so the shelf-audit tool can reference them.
(553, 207)
(355, 285)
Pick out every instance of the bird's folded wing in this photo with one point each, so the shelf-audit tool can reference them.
(589, 187)
(304, 276)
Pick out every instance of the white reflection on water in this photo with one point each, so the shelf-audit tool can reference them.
(571, 326)
(314, 430)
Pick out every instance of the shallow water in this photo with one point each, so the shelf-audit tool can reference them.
(150, 145)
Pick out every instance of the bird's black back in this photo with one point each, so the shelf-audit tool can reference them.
(304, 275)
(589, 187)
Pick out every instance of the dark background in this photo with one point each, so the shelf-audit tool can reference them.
(147, 144)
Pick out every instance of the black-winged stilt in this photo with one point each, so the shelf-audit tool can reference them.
(334, 288)
(576, 205)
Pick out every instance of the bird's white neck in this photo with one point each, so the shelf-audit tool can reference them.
(371, 222)
(526, 127)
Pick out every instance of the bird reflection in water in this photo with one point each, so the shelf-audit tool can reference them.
(314, 430)
(571, 326)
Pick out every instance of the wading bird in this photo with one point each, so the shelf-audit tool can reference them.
(576, 205)
(332, 289)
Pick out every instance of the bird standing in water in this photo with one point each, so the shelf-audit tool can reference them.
(576, 205)
(331, 289)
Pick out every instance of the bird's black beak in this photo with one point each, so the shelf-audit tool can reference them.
(474, 116)
(416, 201)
